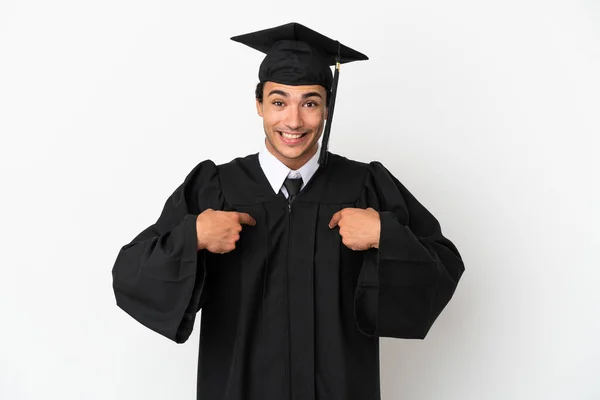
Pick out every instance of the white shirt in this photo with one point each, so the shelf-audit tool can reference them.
(276, 171)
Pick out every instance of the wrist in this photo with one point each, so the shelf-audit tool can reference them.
(200, 245)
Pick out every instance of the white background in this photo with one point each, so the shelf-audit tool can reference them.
(488, 111)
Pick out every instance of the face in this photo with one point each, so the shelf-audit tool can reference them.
(293, 119)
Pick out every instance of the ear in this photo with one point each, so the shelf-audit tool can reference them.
(259, 108)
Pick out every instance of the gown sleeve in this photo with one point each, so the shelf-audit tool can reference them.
(159, 277)
(404, 285)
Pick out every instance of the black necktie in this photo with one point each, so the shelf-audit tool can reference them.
(293, 187)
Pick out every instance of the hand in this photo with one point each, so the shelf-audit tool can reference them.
(218, 231)
(360, 229)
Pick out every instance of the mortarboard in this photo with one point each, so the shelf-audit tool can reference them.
(297, 55)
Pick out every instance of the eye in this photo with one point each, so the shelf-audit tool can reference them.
(311, 104)
(277, 103)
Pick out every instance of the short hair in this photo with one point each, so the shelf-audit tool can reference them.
(260, 87)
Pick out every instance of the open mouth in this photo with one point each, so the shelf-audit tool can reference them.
(292, 138)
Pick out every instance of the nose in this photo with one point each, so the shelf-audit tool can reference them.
(293, 119)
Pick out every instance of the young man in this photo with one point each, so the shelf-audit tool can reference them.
(300, 259)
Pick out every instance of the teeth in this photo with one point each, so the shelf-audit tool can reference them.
(288, 136)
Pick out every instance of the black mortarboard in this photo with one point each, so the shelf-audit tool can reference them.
(297, 55)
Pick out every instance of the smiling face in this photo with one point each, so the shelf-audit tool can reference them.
(293, 120)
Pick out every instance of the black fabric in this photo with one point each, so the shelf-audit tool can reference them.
(297, 55)
(292, 186)
(291, 313)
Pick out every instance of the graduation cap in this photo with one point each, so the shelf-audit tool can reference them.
(297, 55)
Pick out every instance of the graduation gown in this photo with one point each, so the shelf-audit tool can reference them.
(291, 313)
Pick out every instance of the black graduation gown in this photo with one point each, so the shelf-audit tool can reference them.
(291, 313)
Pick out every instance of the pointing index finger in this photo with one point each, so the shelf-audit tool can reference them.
(246, 219)
(335, 219)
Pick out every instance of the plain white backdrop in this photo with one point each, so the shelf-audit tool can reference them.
(489, 112)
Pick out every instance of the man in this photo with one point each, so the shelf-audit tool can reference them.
(300, 259)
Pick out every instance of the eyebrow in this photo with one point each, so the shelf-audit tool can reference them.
(285, 94)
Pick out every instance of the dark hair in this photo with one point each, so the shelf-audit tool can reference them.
(258, 93)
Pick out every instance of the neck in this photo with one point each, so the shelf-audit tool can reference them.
(293, 164)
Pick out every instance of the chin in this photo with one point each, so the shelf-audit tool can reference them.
(291, 154)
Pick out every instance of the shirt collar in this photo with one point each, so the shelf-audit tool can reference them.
(276, 172)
